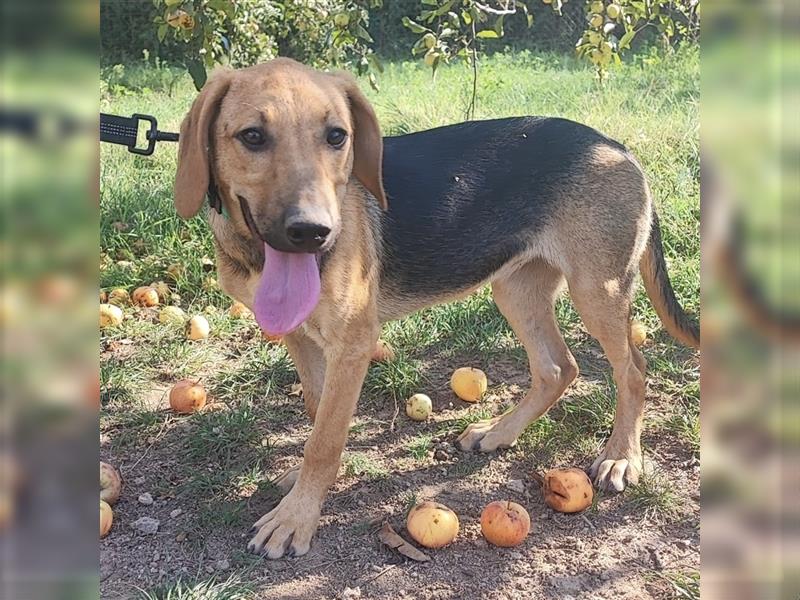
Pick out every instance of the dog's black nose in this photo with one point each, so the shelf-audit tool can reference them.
(307, 237)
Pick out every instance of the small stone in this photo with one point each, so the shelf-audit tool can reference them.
(515, 555)
(351, 593)
(377, 568)
(605, 575)
(222, 564)
(146, 499)
(544, 516)
(209, 569)
(175, 513)
(685, 544)
(181, 537)
(146, 525)
(516, 485)
(440, 454)
(139, 481)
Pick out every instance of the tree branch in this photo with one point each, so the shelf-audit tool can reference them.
(497, 11)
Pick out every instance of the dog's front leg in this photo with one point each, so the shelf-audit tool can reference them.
(289, 527)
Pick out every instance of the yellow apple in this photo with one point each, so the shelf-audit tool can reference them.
(432, 525)
(469, 383)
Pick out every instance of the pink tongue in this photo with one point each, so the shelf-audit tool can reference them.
(288, 291)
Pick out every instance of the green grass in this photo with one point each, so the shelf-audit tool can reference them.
(212, 589)
(419, 446)
(358, 464)
(654, 497)
(685, 585)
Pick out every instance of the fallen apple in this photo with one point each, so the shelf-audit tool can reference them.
(469, 383)
(145, 296)
(567, 490)
(119, 296)
(187, 396)
(383, 352)
(110, 315)
(175, 271)
(106, 518)
(239, 311)
(419, 407)
(275, 339)
(162, 289)
(638, 333)
(198, 328)
(432, 525)
(505, 523)
(172, 314)
(110, 483)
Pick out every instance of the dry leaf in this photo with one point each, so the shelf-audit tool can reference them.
(388, 536)
(296, 389)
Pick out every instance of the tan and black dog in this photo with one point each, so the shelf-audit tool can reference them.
(327, 230)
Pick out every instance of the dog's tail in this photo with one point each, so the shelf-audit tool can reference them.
(659, 289)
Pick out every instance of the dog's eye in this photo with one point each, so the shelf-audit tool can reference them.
(253, 137)
(336, 137)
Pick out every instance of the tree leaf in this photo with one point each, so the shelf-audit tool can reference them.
(197, 70)
(363, 33)
(414, 26)
(487, 33)
(389, 537)
(625, 41)
(498, 25)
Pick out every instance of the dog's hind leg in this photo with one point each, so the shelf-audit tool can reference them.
(526, 299)
(605, 310)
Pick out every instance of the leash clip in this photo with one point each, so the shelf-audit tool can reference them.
(124, 131)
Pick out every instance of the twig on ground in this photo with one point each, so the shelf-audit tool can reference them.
(394, 416)
(381, 574)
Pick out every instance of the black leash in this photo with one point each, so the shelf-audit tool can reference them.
(124, 131)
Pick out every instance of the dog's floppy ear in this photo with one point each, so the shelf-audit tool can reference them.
(367, 140)
(192, 177)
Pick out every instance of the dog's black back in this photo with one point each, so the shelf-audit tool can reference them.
(487, 186)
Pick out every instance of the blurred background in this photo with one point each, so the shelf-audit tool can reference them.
(52, 59)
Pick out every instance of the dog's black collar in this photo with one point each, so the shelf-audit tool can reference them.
(213, 195)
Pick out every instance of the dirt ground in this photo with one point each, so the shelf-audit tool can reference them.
(627, 546)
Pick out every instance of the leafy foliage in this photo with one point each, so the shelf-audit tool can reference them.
(326, 33)
(244, 32)
(612, 26)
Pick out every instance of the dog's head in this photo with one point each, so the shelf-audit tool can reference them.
(280, 141)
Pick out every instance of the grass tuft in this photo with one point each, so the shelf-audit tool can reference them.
(230, 589)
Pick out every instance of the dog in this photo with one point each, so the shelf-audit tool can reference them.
(327, 230)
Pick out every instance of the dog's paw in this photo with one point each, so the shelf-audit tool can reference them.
(286, 480)
(286, 530)
(613, 471)
(485, 436)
